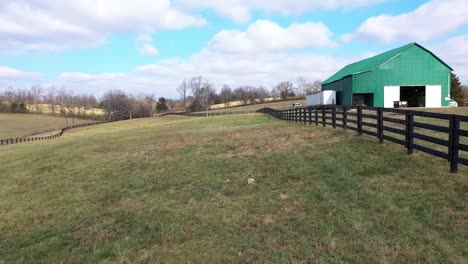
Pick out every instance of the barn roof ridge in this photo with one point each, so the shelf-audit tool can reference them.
(374, 62)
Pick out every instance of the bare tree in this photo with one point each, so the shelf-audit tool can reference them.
(182, 89)
(35, 94)
(202, 92)
(206, 95)
(74, 106)
(49, 98)
(118, 104)
(226, 94)
(245, 94)
(151, 99)
(307, 87)
(62, 99)
(286, 90)
(262, 93)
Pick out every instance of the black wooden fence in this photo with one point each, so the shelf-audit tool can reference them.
(385, 124)
(56, 135)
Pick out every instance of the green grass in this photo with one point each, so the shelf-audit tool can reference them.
(174, 190)
(253, 107)
(19, 125)
(445, 110)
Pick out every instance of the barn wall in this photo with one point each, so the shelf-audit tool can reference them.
(413, 67)
(343, 90)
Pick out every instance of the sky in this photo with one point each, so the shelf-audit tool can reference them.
(150, 46)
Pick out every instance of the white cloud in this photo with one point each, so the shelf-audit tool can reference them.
(146, 47)
(55, 25)
(430, 21)
(288, 7)
(236, 10)
(242, 69)
(148, 50)
(133, 82)
(10, 77)
(347, 38)
(7, 73)
(241, 10)
(259, 57)
(265, 36)
(163, 77)
(454, 52)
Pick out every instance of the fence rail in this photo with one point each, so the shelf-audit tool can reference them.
(56, 135)
(372, 121)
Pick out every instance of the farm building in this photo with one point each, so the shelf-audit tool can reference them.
(410, 73)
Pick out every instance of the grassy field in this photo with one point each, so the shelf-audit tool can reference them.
(276, 105)
(174, 190)
(287, 104)
(19, 125)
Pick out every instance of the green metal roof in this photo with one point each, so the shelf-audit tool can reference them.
(372, 63)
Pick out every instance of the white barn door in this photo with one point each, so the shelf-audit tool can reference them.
(391, 94)
(433, 96)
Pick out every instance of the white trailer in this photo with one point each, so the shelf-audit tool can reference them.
(321, 98)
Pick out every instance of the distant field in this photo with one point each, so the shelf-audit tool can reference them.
(174, 190)
(284, 104)
(19, 125)
(447, 110)
(287, 104)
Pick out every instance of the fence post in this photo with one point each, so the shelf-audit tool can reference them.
(324, 116)
(305, 116)
(310, 116)
(380, 130)
(359, 120)
(345, 118)
(409, 132)
(334, 116)
(454, 140)
(316, 116)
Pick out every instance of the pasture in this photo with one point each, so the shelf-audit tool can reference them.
(254, 107)
(174, 190)
(20, 125)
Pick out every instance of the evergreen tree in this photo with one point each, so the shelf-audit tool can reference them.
(456, 90)
(161, 106)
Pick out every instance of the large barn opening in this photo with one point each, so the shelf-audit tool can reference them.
(366, 99)
(414, 95)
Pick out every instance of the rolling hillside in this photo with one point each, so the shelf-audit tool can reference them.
(175, 190)
(19, 125)
(253, 107)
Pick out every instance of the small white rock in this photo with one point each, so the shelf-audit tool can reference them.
(251, 181)
(227, 181)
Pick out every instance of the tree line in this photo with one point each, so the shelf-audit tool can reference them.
(197, 93)
(113, 105)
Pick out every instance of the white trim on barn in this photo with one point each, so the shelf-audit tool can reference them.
(433, 96)
(391, 94)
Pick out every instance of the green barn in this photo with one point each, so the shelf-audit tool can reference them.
(410, 73)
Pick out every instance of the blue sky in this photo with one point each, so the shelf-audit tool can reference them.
(150, 46)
